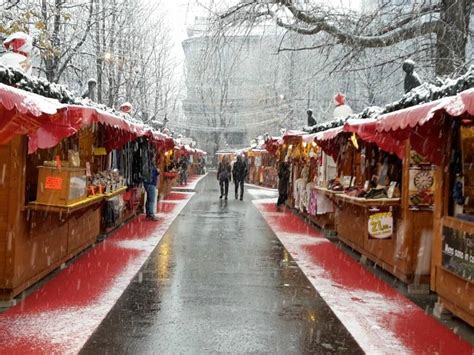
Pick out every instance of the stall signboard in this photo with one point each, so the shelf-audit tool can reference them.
(53, 183)
(380, 223)
(458, 252)
(421, 188)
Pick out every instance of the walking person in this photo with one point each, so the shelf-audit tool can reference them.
(223, 176)
(239, 172)
(151, 192)
(283, 181)
(183, 171)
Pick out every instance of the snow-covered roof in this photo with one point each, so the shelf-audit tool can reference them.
(422, 94)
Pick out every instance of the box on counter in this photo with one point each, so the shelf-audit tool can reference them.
(62, 187)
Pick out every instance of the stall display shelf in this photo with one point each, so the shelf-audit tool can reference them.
(364, 202)
(37, 206)
(115, 193)
(327, 191)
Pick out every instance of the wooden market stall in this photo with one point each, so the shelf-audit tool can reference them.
(384, 201)
(448, 130)
(308, 170)
(55, 196)
(262, 168)
(453, 246)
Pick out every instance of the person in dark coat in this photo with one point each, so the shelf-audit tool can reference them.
(224, 176)
(239, 172)
(151, 192)
(283, 181)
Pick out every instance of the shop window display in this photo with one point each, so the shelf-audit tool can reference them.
(461, 204)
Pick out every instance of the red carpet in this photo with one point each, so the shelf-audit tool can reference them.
(380, 319)
(61, 315)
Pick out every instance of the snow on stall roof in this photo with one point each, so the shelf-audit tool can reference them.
(39, 86)
(424, 93)
(26, 102)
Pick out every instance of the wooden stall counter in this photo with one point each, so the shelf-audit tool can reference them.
(66, 209)
(373, 227)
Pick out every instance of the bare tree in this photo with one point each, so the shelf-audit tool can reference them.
(447, 21)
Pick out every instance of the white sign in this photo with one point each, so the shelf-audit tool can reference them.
(380, 224)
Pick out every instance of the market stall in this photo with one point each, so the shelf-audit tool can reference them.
(81, 175)
(384, 201)
(448, 130)
(261, 168)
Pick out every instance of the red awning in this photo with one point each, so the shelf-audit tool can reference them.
(328, 134)
(423, 124)
(46, 121)
(329, 141)
(22, 112)
(366, 131)
(28, 103)
(271, 145)
(293, 137)
(119, 131)
(421, 114)
(309, 138)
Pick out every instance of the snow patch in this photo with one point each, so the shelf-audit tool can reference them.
(137, 244)
(264, 193)
(265, 201)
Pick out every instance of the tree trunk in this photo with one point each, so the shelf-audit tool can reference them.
(452, 37)
(98, 52)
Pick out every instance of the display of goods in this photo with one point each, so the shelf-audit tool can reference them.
(105, 182)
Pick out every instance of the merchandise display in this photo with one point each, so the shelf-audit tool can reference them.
(105, 182)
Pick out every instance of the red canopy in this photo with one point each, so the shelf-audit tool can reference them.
(47, 121)
(22, 112)
(423, 124)
(328, 141)
(293, 137)
(366, 130)
(271, 145)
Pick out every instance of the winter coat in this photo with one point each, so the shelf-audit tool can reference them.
(239, 171)
(283, 178)
(223, 171)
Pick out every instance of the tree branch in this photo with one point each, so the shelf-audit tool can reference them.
(79, 43)
(385, 40)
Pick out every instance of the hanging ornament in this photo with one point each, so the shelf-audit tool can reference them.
(354, 141)
(19, 46)
(126, 107)
(342, 110)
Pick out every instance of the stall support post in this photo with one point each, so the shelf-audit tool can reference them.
(16, 198)
(440, 191)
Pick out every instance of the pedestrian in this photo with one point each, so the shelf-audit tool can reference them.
(283, 181)
(183, 171)
(151, 192)
(239, 172)
(224, 176)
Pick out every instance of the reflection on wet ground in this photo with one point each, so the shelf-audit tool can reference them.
(220, 281)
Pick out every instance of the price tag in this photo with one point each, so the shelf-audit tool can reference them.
(53, 183)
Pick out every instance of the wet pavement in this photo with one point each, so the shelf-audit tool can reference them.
(220, 281)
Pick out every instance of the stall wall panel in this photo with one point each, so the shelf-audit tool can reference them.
(5, 153)
(83, 230)
(457, 294)
(351, 223)
(41, 247)
(15, 200)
